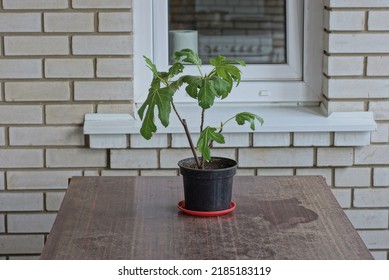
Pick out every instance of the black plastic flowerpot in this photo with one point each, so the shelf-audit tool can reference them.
(208, 189)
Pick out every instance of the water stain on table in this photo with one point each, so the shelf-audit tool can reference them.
(286, 213)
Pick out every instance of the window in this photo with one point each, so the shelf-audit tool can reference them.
(287, 64)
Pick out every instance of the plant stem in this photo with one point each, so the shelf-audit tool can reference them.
(221, 129)
(188, 136)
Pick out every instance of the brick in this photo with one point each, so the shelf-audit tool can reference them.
(21, 114)
(378, 20)
(40, 179)
(12, 158)
(16, 201)
(20, 68)
(69, 22)
(379, 255)
(368, 219)
(234, 140)
(381, 134)
(374, 154)
(30, 223)
(343, 196)
(157, 141)
(2, 136)
(114, 68)
(36, 4)
(375, 239)
(275, 157)
(270, 139)
(116, 108)
(102, 45)
(107, 90)
(359, 138)
(2, 180)
(21, 244)
(344, 20)
(380, 110)
(352, 177)
(115, 22)
(46, 136)
(158, 173)
(381, 177)
(179, 140)
(20, 22)
(377, 66)
(169, 158)
(37, 91)
(345, 106)
(324, 172)
(2, 224)
(335, 156)
(358, 3)
(54, 200)
(91, 173)
(67, 114)
(76, 158)
(357, 88)
(358, 43)
(371, 197)
(69, 68)
(245, 172)
(36, 45)
(311, 139)
(275, 172)
(343, 65)
(108, 141)
(139, 158)
(114, 4)
(119, 172)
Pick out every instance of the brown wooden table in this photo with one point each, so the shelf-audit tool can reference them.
(136, 218)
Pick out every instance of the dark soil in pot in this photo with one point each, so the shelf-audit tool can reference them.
(208, 189)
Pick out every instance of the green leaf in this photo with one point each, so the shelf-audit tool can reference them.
(207, 135)
(187, 55)
(175, 69)
(225, 68)
(151, 65)
(243, 117)
(193, 85)
(160, 98)
(207, 93)
(221, 86)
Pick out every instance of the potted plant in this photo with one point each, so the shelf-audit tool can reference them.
(207, 180)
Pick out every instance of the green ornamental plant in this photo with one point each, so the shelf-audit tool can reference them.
(205, 88)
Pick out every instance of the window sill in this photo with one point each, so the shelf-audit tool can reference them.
(112, 130)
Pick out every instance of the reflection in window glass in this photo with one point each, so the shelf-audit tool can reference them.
(252, 30)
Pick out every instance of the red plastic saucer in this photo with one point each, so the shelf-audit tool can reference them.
(181, 206)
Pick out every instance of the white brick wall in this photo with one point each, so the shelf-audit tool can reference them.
(15, 22)
(69, 68)
(36, 4)
(36, 45)
(102, 45)
(37, 91)
(24, 223)
(60, 59)
(20, 68)
(69, 22)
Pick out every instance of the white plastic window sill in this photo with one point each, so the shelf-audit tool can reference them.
(111, 130)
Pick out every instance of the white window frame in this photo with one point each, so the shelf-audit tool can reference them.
(287, 86)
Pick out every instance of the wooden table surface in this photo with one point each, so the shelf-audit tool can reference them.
(293, 217)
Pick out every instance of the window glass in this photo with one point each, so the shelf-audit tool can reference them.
(252, 30)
